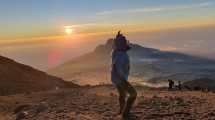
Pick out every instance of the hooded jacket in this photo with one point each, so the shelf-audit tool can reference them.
(120, 60)
(120, 67)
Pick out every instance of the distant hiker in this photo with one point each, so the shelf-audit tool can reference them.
(171, 84)
(179, 85)
(120, 73)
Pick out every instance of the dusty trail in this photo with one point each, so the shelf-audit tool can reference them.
(100, 103)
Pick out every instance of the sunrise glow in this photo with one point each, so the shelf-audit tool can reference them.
(77, 26)
(68, 31)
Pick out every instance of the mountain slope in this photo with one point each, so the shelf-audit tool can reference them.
(19, 78)
(101, 103)
(201, 83)
(146, 64)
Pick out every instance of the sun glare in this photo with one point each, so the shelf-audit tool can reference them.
(68, 31)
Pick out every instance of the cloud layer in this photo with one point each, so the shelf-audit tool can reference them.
(156, 9)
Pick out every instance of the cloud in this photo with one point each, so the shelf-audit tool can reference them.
(156, 9)
(169, 48)
(80, 25)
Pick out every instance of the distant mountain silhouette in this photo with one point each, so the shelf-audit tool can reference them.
(201, 83)
(19, 78)
(146, 64)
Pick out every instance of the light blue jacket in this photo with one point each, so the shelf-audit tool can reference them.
(120, 67)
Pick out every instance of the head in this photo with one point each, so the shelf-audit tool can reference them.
(121, 43)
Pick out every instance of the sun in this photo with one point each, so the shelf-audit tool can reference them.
(68, 31)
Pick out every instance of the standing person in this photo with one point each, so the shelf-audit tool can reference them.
(120, 73)
(171, 84)
(179, 85)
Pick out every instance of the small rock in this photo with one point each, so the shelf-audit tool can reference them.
(20, 108)
(21, 115)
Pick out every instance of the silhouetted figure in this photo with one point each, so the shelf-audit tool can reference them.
(120, 73)
(179, 85)
(171, 84)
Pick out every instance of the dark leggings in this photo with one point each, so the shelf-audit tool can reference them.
(126, 88)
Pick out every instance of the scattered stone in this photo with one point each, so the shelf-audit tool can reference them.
(20, 108)
(21, 115)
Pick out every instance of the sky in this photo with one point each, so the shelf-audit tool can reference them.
(35, 32)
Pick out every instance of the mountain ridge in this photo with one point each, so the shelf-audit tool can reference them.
(147, 64)
(19, 78)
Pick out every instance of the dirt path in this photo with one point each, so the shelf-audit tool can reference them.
(100, 103)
